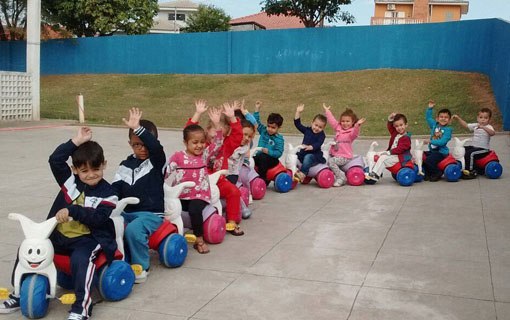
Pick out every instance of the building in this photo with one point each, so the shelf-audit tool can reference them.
(172, 16)
(265, 22)
(418, 11)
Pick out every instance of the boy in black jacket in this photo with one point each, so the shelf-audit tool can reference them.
(89, 200)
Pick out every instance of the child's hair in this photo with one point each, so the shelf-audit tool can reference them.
(89, 153)
(399, 116)
(486, 110)
(247, 124)
(445, 110)
(321, 118)
(349, 113)
(191, 129)
(148, 125)
(275, 118)
(239, 114)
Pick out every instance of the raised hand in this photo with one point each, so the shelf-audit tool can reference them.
(326, 108)
(236, 105)
(84, 134)
(243, 108)
(300, 108)
(392, 116)
(432, 103)
(133, 122)
(229, 110)
(361, 121)
(258, 105)
(215, 116)
(201, 106)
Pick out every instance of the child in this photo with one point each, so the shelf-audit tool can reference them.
(313, 139)
(480, 144)
(346, 131)
(270, 141)
(440, 134)
(237, 158)
(89, 200)
(399, 148)
(190, 165)
(232, 137)
(141, 175)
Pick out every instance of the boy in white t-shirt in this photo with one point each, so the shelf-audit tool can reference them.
(480, 143)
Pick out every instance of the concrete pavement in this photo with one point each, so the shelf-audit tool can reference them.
(431, 251)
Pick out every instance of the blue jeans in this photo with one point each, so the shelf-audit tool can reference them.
(431, 161)
(140, 225)
(309, 161)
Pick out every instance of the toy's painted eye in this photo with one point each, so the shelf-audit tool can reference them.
(30, 251)
(38, 251)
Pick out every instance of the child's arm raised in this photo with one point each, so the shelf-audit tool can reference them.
(261, 128)
(461, 121)
(428, 114)
(331, 119)
(200, 108)
(297, 118)
(389, 123)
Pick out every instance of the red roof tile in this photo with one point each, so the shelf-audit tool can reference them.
(270, 22)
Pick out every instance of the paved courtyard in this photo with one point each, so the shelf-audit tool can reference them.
(431, 251)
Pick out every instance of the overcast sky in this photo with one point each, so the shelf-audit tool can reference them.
(364, 9)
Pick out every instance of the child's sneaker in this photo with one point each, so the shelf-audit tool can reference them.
(300, 176)
(76, 316)
(10, 305)
(468, 175)
(372, 176)
(142, 277)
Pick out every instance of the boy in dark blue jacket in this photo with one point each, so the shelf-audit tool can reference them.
(89, 200)
(141, 175)
(313, 139)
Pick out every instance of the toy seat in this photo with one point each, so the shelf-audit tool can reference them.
(396, 167)
(482, 162)
(274, 171)
(161, 233)
(63, 262)
(446, 162)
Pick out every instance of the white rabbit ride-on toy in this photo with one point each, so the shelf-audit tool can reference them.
(35, 276)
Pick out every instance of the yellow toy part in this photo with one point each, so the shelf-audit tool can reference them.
(4, 293)
(137, 269)
(231, 226)
(68, 298)
(190, 238)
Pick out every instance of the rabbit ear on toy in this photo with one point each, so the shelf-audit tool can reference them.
(175, 191)
(34, 230)
(214, 177)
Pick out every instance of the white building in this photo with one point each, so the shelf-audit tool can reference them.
(172, 16)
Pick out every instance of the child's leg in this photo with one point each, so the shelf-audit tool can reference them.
(232, 195)
(472, 154)
(233, 178)
(431, 162)
(140, 225)
(334, 164)
(194, 209)
(85, 250)
(264, 162)
(383, 162)
(308, 162)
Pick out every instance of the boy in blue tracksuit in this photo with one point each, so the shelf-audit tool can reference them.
(89, 200)
(270, 141)
(440, 134)
(141, 175)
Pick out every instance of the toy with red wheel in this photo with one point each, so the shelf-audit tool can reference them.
(354, 171)
(251, 180)
(320, 172)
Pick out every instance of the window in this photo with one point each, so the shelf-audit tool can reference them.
(180, 17)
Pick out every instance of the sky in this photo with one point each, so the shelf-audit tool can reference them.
(364, 9)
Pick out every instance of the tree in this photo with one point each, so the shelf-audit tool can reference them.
(13, 16)
(88, 17)
(311, 12)
(208, 19)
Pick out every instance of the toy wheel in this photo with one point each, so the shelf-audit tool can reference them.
(406, 177)
(493, 170)
(33, 296)
(116, 280)
(64, 280)
(258, 188)
(214, 229)
(325, 178)
(418, 177)
(173, 250)
(452, 172)
(283, 183)
(356, 176)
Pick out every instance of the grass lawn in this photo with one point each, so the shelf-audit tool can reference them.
(168, 100)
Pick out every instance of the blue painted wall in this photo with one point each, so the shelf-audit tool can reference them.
(473, 45)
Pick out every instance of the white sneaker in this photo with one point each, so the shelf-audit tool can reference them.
(142, 277)
(10, 305)
(75, 316)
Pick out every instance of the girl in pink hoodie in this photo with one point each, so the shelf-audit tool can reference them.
(346, 130)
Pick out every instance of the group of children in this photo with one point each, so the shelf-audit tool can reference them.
(223, 145)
